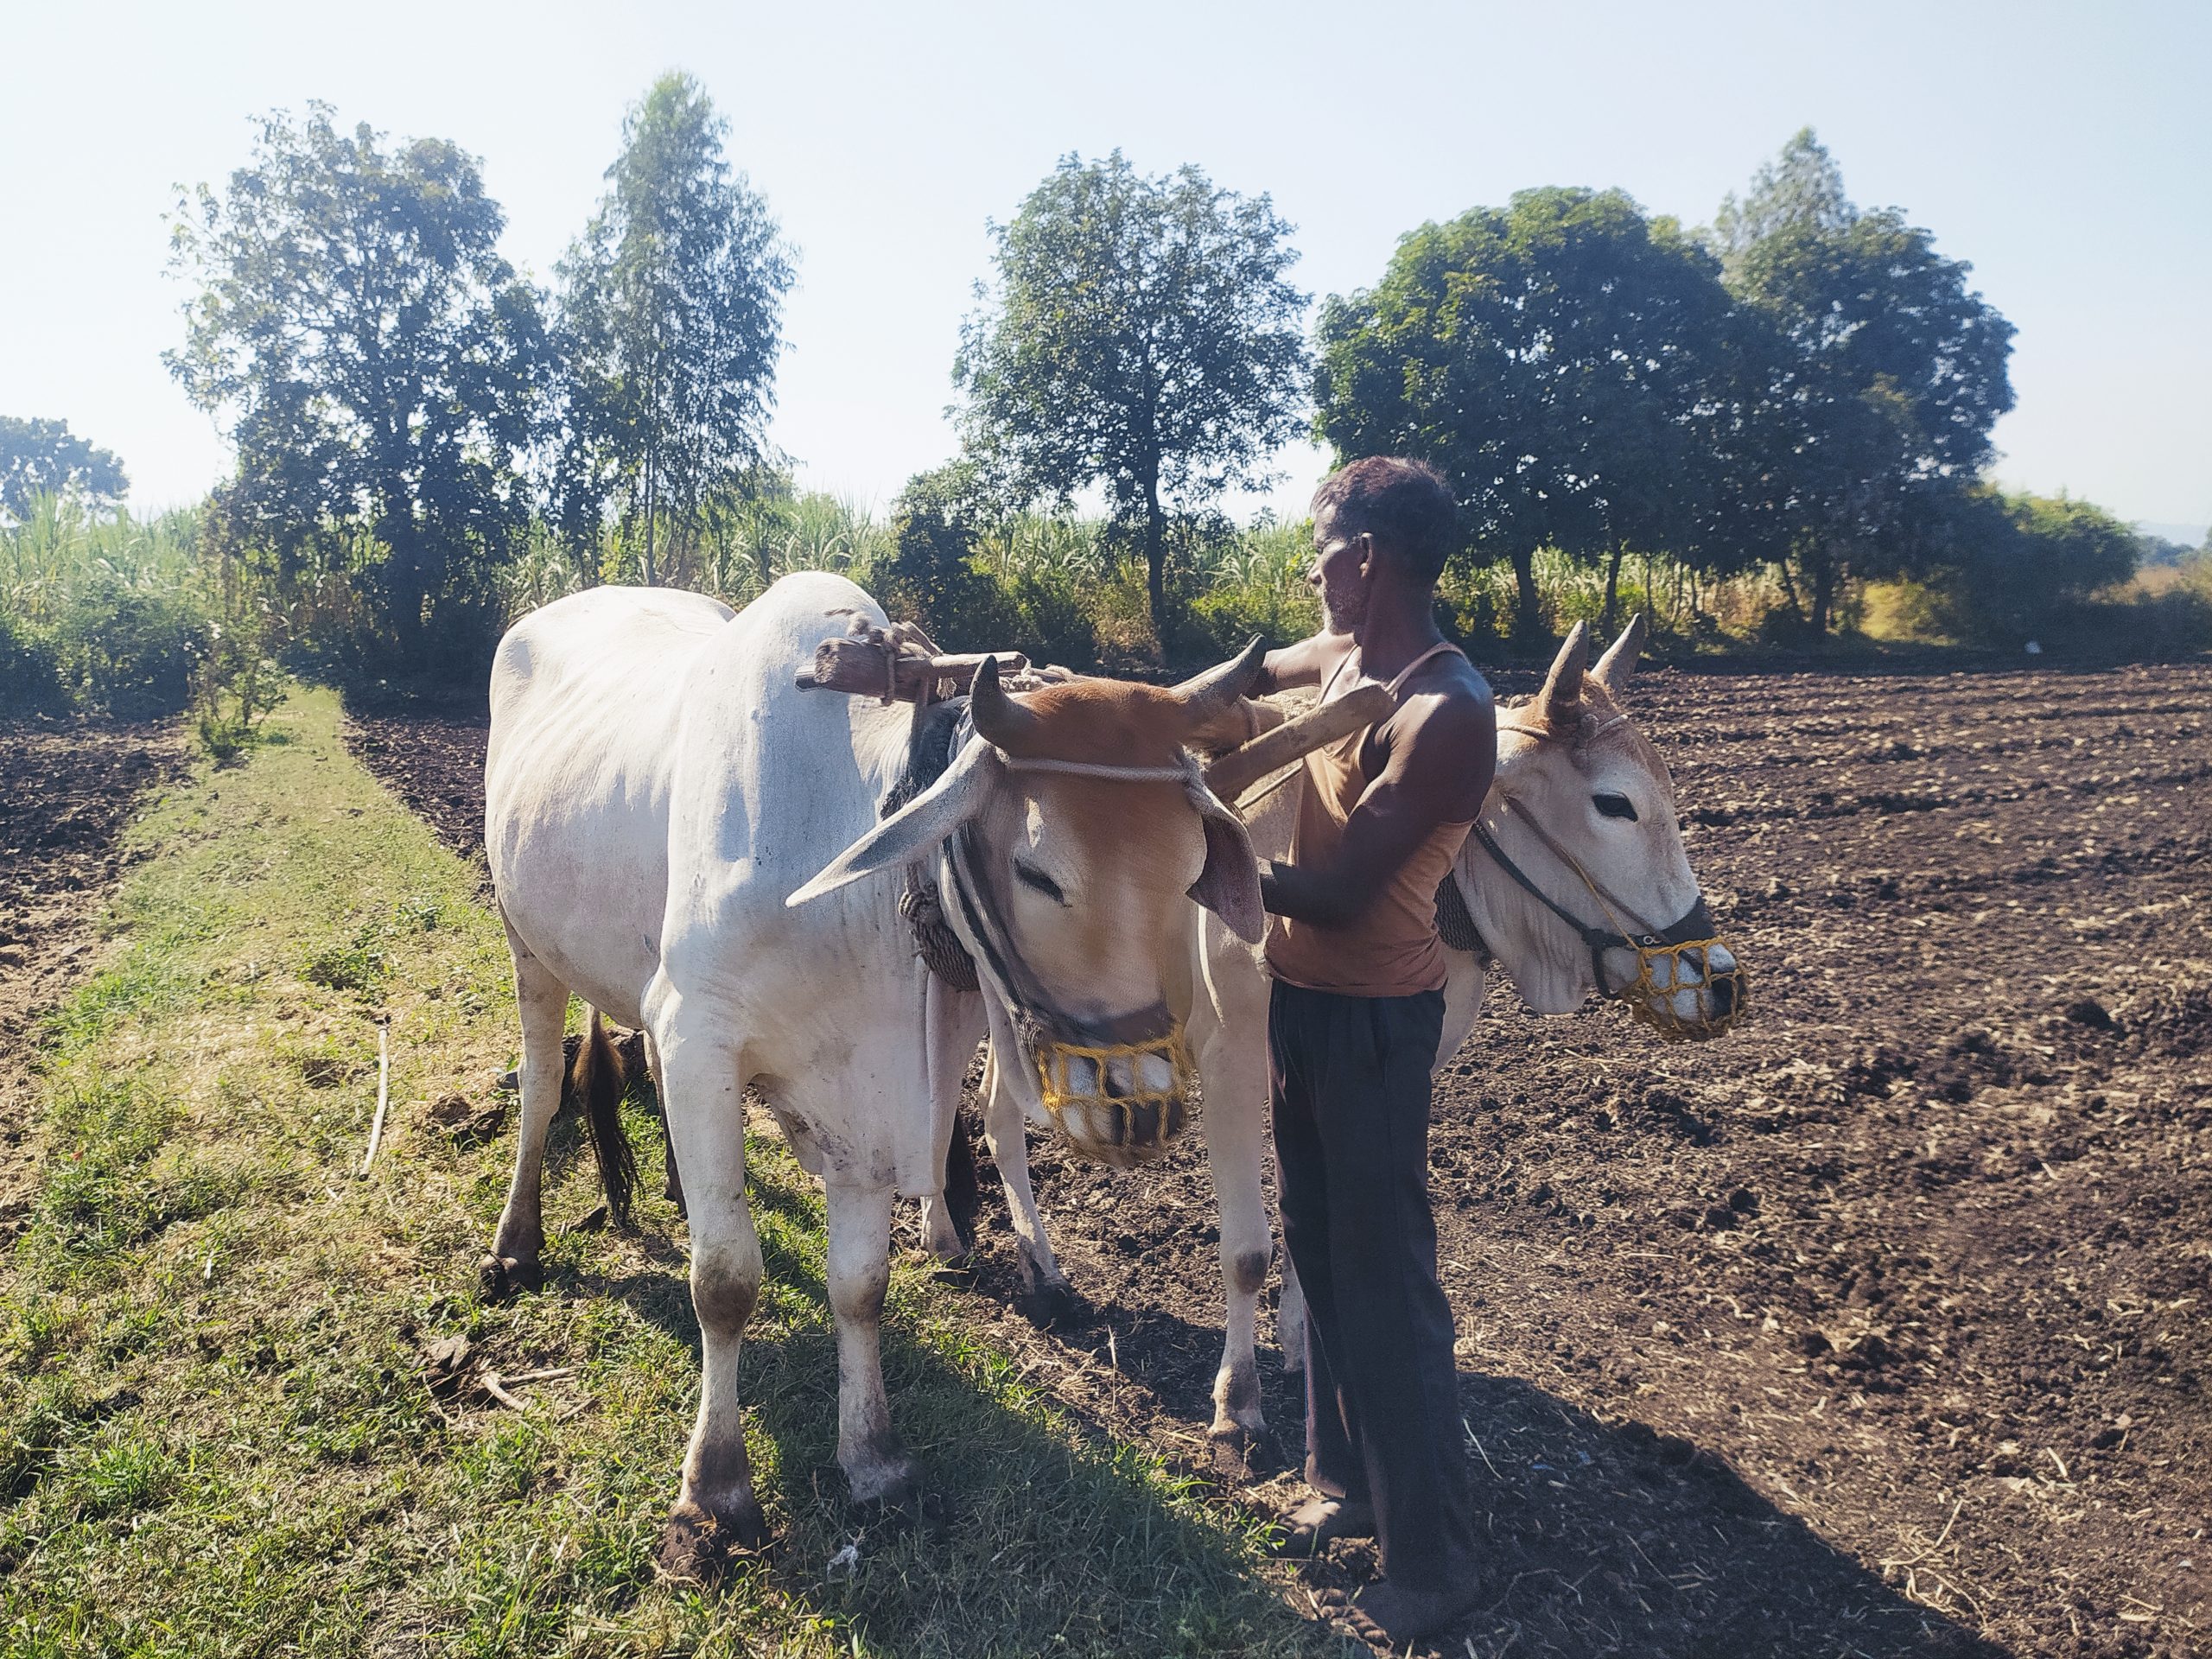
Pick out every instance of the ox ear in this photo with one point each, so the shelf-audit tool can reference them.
(1229, 884)
(1614, 670)
(915, 828)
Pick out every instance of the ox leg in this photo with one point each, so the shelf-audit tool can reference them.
(1290, 1319)
(715, 1509)
(1235, 1087)
(949, 1214)
(869, 1449)
(542, 1002)
(1044, 1285)
(671, 1187)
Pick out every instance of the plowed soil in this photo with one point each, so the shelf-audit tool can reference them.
(1875, 1327)
(65, 788)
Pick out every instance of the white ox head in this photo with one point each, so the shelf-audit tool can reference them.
(1584, 808)
(1069, 832)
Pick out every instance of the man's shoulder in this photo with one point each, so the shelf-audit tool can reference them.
(1448, 689)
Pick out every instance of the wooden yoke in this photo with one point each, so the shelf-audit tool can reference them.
(901, 663)
(1233, 774)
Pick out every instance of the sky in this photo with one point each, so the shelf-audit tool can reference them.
(2062, 149)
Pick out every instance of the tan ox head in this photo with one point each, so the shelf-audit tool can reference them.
(1583, 877)
(1070, 832)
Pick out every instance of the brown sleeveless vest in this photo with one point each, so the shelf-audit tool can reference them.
(1392, 949)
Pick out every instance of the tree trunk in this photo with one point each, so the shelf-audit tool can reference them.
(1155, 562)
(649, 519)
(1824, 583)
(1613, 587)
(1527, 621)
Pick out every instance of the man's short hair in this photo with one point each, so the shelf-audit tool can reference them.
(1405, 504)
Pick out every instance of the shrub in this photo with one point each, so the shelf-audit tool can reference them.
(30, 678)
(100, 612)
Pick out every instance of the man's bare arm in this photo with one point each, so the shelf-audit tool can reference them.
(1309, 662)
(1437, 771)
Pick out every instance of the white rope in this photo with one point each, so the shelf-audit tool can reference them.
(1100, 769)
(1544, 734)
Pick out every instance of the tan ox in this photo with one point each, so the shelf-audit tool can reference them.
(1582, 811)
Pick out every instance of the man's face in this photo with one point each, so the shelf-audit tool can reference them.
(1342, 567)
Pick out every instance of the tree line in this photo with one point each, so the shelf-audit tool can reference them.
(1804, 387)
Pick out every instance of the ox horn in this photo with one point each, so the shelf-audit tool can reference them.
(1204, 696)
(999, 719)
(1230, 776)
(1616, 667)
(1561, 698)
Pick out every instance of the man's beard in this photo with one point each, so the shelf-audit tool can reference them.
(1345, 613)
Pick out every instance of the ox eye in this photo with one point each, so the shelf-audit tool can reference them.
(1030, 876)
(1616, 806)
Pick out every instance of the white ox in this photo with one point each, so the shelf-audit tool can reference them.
(658, 792)
(1576, 785)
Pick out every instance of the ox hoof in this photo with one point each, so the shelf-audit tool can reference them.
(697, 1547)
(1240, 1452)
(893, 1486)
(1052, 1305)
(501, 1276)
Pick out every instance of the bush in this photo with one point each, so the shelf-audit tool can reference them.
(100, 613)
(30, 678)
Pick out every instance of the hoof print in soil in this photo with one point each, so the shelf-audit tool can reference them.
(696, 1547)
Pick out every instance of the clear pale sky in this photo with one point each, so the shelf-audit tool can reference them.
(2064, 150)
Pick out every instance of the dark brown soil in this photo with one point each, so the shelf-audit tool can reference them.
(1876, 1327)
(65, 789)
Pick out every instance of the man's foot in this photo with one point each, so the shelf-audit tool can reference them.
(1388, 1615)
(1313, 1525)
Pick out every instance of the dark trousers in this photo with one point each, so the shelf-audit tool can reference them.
(1348, 1086)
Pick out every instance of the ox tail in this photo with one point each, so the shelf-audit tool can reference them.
(597, 1082)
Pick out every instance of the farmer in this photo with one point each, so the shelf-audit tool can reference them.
(1356, 1010)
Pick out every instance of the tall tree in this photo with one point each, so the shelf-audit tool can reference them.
(1884, 370)
(46, 458)
(1570, 365)
(671, 309)
(381, 363)
(1143, 337)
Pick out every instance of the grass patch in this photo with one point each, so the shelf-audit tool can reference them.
(216, 1433)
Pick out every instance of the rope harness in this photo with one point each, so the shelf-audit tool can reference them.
(1673, 963)
(1114, 1092)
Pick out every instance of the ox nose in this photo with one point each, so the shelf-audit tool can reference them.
(1722, 990)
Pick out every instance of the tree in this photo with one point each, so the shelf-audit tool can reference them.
(671, 308)
(1569, 364)
(382, 364)
(2001, 567)
(45, 458)
(1142, 338)
(1883, 371)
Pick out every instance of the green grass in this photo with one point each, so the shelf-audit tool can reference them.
(215, 1433)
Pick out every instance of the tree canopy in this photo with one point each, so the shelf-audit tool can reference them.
(46, 458)
(1882, 372)
(670, 317)
(1143, 337)
(379, 362)
(1570, 365)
